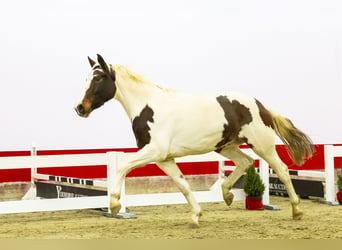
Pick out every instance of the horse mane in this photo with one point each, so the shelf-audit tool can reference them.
(136, 77)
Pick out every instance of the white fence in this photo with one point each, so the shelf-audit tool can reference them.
(212, 195)
(22, 162)
(111, 159)
(330, 152)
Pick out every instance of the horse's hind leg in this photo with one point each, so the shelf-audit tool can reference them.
(146, 155)
(172, 170)
(268, 152)
(282, 171)
(242, 162)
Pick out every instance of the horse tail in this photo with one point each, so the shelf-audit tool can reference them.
(298, 144)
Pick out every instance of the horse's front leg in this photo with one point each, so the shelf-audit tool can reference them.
(172, 170)
(130, 161)
(115, 193)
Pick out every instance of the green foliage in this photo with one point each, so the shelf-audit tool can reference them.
(252, 183)
(339, 182)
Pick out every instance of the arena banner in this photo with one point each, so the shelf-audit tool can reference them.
(304, 188)
(63, 190)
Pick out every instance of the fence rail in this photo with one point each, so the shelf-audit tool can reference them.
(111, 160)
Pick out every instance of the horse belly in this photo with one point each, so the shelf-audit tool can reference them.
(196, 135)
(191, 124)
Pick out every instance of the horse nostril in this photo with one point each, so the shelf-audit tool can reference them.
(80, 109)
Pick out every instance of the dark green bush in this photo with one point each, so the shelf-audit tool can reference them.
(252, 183)
(339, 182)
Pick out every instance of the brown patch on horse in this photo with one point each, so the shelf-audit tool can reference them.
(236, 115)
(102, 88)
(141, 128)
(265, 115)
(86, 105)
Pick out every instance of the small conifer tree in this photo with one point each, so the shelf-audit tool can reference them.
(252, 183)
(339, 182)
(339, 186)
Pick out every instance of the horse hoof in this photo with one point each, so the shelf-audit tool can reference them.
(115, 207)
(193, 225)
(298, 216)
(228, 198)
(297, 213)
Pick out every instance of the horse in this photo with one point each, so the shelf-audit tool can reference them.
(168, 124)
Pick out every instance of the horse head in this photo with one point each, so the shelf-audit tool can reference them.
(100, 87)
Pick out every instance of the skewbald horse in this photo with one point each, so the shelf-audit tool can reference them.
(168, 124)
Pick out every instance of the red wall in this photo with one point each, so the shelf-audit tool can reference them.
(316, 162)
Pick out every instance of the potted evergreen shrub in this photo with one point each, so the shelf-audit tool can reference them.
(339, 186)
(254, 189)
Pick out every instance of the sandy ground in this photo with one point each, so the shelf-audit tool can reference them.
(171, 222)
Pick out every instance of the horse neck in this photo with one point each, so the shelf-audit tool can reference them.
(133, 94)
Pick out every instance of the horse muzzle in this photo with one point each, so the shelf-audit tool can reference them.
(81, 111)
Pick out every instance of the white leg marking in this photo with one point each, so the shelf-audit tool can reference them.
(282, 171)
(172, 170)
(265, 148)
(146, 155)
(242, 162)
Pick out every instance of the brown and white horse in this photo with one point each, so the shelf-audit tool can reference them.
(168, 124)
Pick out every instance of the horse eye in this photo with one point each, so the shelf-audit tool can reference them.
(97, 78)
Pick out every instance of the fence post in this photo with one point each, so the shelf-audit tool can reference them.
(33, 168)
(264, 174)
(330, 192)
(31, 193)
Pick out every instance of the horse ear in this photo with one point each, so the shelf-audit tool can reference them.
(92, 62)
(105, 68)
(102, 63)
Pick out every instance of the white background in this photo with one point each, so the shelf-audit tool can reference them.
(285, 53)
